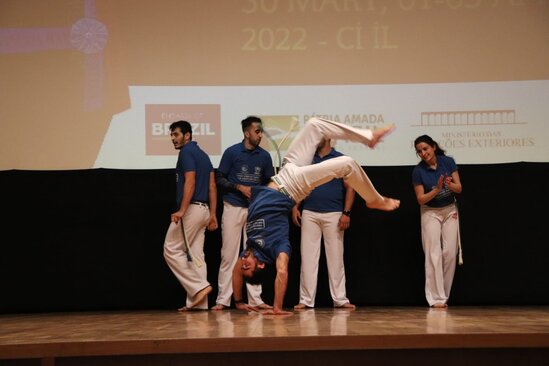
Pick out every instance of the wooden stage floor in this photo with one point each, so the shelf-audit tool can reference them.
(385, 335)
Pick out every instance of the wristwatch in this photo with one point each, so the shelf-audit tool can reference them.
(346, 213)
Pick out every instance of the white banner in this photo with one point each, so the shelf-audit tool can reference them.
(476, 123)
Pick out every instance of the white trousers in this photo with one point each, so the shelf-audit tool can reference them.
(299, 177)
(233, 223)
(439, 234)
(314, 226)
(192, 277)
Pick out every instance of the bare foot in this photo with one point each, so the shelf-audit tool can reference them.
(347, 306)
(300, 306)
(219, 307)
(384, 204)
(263, 307)
(439, 305)
(200, 295)
(379, 133)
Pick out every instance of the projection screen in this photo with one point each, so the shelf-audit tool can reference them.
(95, 84)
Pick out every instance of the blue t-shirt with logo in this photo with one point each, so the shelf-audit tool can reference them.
(192, 159)
(328, 197)
(267, 225)
(428, 177)
(245, 167)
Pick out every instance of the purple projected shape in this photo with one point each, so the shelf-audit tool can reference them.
(87, 35)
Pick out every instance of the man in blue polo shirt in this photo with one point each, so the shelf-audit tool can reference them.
(196, 208)
(268, 227)
(326, 214)
(242, 166)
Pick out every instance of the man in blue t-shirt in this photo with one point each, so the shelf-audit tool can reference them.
(242, 166)
(196, 200)
(326, 214)
(268, 228)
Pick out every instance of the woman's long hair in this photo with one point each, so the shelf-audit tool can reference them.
(429, 141)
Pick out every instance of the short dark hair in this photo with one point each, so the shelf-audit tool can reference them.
(260, 275)
(429, 141)
(247, 122)
(184, 127)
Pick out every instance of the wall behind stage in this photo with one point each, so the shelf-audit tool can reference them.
(92, 240)
(92, 83)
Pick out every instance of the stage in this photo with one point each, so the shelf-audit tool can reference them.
(376, 335)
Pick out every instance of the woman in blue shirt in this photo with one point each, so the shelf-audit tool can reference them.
(435, 181)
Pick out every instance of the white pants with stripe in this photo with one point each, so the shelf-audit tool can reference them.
(233, 223)
(192, 278)
(314, 226)
(439, 234)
